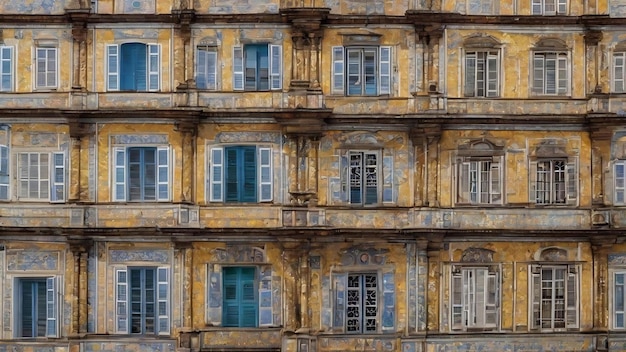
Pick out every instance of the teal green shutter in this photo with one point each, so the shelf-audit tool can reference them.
(163, 174)
(338, 70)
(238, 68)
(231, 174)
(265, 175)
(113, 68)
(121, 301)
(51, 307)
(249, 170)
(163, 301)
(240, 297)
(57, 192)
(241, 174)
(133, 70)
(216, 177)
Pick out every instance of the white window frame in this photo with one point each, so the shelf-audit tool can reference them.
(570, 181)
(113, 65)
(537, 301)
(275, 67)
(490, 86)
(617, 309)
(478, 300)
(539, 73)
(471, 167)
(6, 55)
(204, 71)
(55, 180)
(49, 71)
(549, 7)
(618, 72)
(53, 301)
(619, 183)
(119, 173)
(340, 68)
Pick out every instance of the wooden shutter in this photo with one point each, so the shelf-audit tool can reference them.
(388, 184)
(495, 191)
(265, 175)
(538, 74)
(238, 68)
(477, 308)
(216, 177)
(248, 170)
(232, 174)
(532, 182)
(6, 68)
(113, 68)
(163, 300)
(154, 66)
(618, 72)
(276, 66)
(57, 176)
(338, 70)
(571, 305)
(562, 73)
(52, 307)
(571, 181)
(119, 174)
(121, 301)
(340, 299)
(4, 173)
(133, 70)
(266, 314)
(384, 70)
(240, 303)
(535, 297)
(470, 74)
(492, 74)
(618, 300)
(163, 173)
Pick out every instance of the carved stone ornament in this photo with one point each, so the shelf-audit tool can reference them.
(369, 256)
(239, 254)
(477, 255)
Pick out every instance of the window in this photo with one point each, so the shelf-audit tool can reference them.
(41, 176)
(141, 174)
(206, 67)
(368, 71)
(366, 177)
(619, 296)
(142, 300)
(240, 297)
(480, 181)
(474, 298)
(133, 67)
(481, 73)
(554, 182)
(549, 7)
(619, 72)
(46, 69)
(620, 181)
(554, 297)
(240, 174)
(357, 302)
(257, 67)
(36, 307)
(6, 68)
(550, 73)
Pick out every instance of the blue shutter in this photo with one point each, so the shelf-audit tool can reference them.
(51, 307)
(57, 191)
(4, 172)
(119, 174)
(6, 68)
(249, 173)
(206, 68)
(163, 174)
(265, 175)
(113, 68)
(618, 301)
(255, 58)
(240, 297)
(338, 70)
(241, 174)
(154, 55)
(231, 174)
(163, 301)
(238, 68)
(339, 286)
(388, 185)
(389, 302)
(133, 70)
(384, 70)
(276, 66)
(216, 177)
(121, 301)
(266, 316)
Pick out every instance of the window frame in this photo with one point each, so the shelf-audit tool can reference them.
(50, 71)
(274, 63)
(618, 78)
(52, 298)
(113, 67)
(474, 188)
(540, 73)
(341, 302)
(460, 273)
(540, 8)
(619, 183)
(571, 305)
(492, 54)
(204, 69)
(217, 177)
(340, 70)
(570, 182)
(7, 55)
(56, 181)
(162, 300)
(120, 170)
(614, 307)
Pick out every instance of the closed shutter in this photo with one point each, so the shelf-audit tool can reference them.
(133, 67)
(119, 175)
(4, 172)
(618, 72)
(57, 191)
(231, 174)
(52, 303)
(249, 173)
(6, 68)
(265, 175)
(163, 301)
(240, 303)
(276, 66)
(163, 173)
(571, 181)
(216, 177)
(238, 68)
(339, 315)
(113, 68)
(384, 70)
(121, 301)
(338, 70)
(154, 66)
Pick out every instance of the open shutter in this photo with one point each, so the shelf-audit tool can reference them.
(276, 66)
(456, 299)
(470, 74)
(163, 300)
(119, 176)
(389, 302)
(4, 172)
(266, 316)
(57, 192)
(495, 191)
(216, 178)
(492, 74)
(562, 74)
(52, 304)
(113, 67)
(571, 305)
(238, 68)
(6, 68)
(121, 301)
(618, 300)
(618, 72)
(535, 297)
(384, 70)
(464, 183)
(338, 70)
(265, 175)
(477, 308)
(339, 286)
(153, 66)
(532, 182)
(388, 187)
(163, 173)
(538, 74)
(571, 180)
(214, 294)
(491, 303)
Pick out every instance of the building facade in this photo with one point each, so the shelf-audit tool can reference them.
(312, 176)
